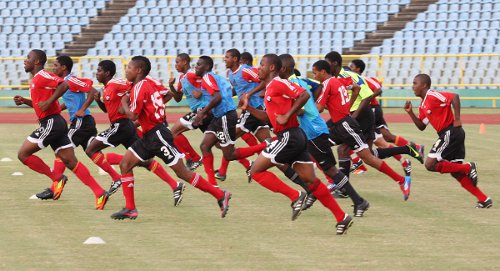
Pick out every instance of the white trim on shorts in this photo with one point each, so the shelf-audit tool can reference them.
(225, 132)
(108, 135)
(135, 154)
(279, 147)
(186, 124)
(438, 154)
(46, 131)
(72, 131)
(173, 150)
(70, 145)
(356, 137)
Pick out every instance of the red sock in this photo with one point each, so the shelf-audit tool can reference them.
(199, 182)
(249, 151)
(223, 166)
(83, 174)
(208, 164)
(139, 132)
(183, 141)
(400, 141)
(322, 193)
(363, 168)
(474, 190)
(128, 190)
(271, 182)
(350, 152)
(36, 164)
(404, 163)
(450, 167)
(244, 162)
(384, 168)
(157, 169)
(250, 139)
(100, 160)
(59, 167)
(113, 158)
(355, 159)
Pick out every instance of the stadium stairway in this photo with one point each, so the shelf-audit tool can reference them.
(98, 27)
(387, 29)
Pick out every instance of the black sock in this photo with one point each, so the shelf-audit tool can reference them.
(345, 166)
(383, 153)
(294, 177)
(342, 182)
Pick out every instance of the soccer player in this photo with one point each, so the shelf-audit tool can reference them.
(318, 144)
(345, 129)
(121, 132)
(146, 106)
(53, 130)
(282, 102)
(448, 153)
(222, 128)
(246, 58)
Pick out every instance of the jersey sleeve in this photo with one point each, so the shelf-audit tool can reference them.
(52, 82)
(422, 117)
(250, 75)
(290, 90)
(79, 84)
(324, 95)
(209, 84)
(136, 99)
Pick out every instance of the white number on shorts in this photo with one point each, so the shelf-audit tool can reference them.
(166, 151)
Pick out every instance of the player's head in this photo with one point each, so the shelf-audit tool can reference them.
(321, 70)
(62, 66)
(204, 65)
(334, 59)
(358, 66)
(270, 65)
(182, 62)
(287, 66)
(138, 67)
(36, 58)
(421, 83)
(232, 58)
(106, 69)
(246, 58)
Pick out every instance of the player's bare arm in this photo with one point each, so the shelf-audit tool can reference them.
(19, 100)
(297, 105)
(177, 95)
(355, 88)
(90, 98)
(216, 99)
(261, 86)
(456, 110)
(97, 99)
(409, 109)
(60, 90)
(125, 108)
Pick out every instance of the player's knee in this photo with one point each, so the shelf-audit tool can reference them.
(430, 165)
(22, 156)
(205, 148)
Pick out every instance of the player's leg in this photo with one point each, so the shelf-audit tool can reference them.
(209, 140)
(130, 160)
(101, 141)
(405, 163)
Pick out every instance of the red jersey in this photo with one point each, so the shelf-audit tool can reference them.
(147, 102)
(158, 86)
(42, 86)
(335, 97)
(435, 109)
(374, 85)
(112, 97)
(279, 98)
(191, 77)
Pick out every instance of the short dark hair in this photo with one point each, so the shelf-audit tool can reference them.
(184, 56)
(287, 61)
(209, 61)
(274, 60)
(235, 53)
(143, 63)
(360, 64)
(426, 78)
(321, 65)
(108, 66)
(41, 56)
(246, 56)
(66, 61)
(334, 57)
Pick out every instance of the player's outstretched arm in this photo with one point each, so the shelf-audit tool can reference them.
(177, 95)
(60, 90)
(297, 105)
(97, 99)
(409, 109)
(90, 97)
(19, 100)
(257, 89)
(455, 102)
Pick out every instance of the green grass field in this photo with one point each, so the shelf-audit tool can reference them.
(437, 229)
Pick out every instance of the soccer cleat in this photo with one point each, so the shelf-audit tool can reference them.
(114, 186)
(178, 192)
(219, 176)
(484, 204)
(45, 194)
(59, 186)
(125, 213)
(360, 209)
(473, 173)
(224, 204)
(407, 169)
(310, 200)
(359, 171)
(101, 201)
(416, 152)
(405, 187)
(298, 205)
(356, 165)
(194, 165)
(344, 225)
(248, 172)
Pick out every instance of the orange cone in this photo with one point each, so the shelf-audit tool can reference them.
(482, 129)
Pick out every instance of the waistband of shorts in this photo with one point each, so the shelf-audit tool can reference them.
(342, 119)
(50, 117)
(156, 128)
(440, 133)
(288, 130)
(122, 120)
(86, 117)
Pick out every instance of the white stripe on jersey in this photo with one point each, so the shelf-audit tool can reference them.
(325, 83)
(206, 78)
(137, 87)
(77, 81)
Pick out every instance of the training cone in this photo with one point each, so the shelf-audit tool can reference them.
(94, 240)
(482, 129)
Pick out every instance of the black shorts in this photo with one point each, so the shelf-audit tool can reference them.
(122, 131)
(347, 131)
(53, 131)
(288, 148)
(250, 124)
(366, 122)
(224, 128)
(157, 142)
(187, 121)
(320, 149)
(450, 145)
(82, 131)
(379, 117)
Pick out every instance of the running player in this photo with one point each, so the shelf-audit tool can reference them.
(345, 130)
(53, 130)
(246, 58)
(146, 106)
(448, 153)
(282, 102)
